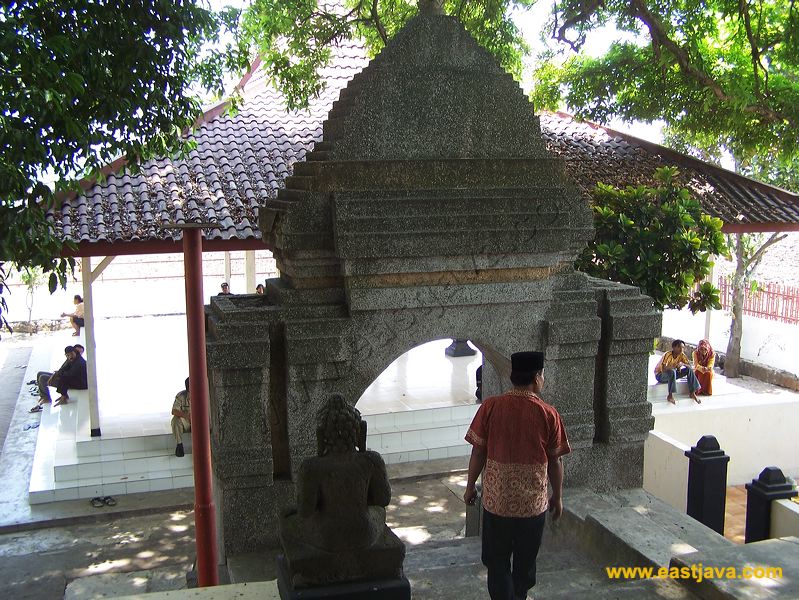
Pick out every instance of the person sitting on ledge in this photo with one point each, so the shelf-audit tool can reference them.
(76, 318)
(181, 418)
(44, 379)
(674, 365)
(74, 377)
(704, 359)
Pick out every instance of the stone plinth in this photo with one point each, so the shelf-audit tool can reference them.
(307, 566)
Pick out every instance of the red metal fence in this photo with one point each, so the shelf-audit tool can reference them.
(770, 301)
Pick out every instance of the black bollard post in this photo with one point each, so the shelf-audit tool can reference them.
(460, 347)
(769, 486)
(707, 483)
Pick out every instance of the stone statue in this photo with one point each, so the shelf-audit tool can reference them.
(338, 531)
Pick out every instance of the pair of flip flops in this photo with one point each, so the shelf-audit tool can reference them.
(99, 502)
(30, 426)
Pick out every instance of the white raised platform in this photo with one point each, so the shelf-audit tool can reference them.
(418, 417)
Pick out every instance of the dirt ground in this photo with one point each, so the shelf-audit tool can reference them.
(154, 553)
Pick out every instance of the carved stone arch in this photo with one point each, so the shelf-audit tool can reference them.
(429, 208)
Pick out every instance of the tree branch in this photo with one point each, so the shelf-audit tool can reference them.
(584, 15)
(660, 38)
(757, 66)
(760, 252)
(378, 23)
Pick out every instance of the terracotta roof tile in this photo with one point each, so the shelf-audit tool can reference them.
(241, 161)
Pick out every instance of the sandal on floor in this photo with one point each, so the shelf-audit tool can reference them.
(37, 408)
(61, 401)
(97, 502)
(109, 501)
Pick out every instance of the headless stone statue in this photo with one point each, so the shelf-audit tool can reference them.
(338, 532)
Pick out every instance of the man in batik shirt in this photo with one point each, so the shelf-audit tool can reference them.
(517, 443)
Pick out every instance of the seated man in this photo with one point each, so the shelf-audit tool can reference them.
(46, 378)
(181, 418)
(673, 365)
(74, 377)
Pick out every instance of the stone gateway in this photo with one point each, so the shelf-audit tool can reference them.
(430, 209)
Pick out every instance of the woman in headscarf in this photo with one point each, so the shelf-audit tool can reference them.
(704, 358)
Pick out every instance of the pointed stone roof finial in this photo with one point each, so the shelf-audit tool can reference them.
(431, 7)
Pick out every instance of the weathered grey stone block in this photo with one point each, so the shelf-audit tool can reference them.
(431, 211)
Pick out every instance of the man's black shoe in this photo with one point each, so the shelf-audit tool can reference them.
(179, 450)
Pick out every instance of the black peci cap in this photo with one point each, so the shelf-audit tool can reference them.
(527, 362)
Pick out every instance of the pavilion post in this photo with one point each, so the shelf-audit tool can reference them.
(249, 271)
(91, 346)
(204, 510)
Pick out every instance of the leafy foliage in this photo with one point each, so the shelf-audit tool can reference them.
(718, 68)
(294, 37)
(657, 239)
(83, 82)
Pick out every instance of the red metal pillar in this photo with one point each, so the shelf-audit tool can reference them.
(204, 510)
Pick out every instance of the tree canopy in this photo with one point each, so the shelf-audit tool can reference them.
(719, 69)
(655, 238)
(294, 36)
(84, 82)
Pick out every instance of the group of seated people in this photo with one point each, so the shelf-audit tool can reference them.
(70, 376)
(674, 365)
(225, 287)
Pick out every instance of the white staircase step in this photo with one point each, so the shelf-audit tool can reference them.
(420, 435)
(67, 468)
(657, 392)
(117, 485)
(106, 445)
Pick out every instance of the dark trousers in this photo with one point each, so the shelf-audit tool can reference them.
(506, 537)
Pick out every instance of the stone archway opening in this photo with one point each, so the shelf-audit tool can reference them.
(420, 406)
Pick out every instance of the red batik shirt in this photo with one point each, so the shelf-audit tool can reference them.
(521, 433)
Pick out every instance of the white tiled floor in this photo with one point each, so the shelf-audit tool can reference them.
(417, 409)
(423, 378)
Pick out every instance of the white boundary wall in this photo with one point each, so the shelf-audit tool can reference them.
(666, 469)
(766, 342)
(754, 436)
(784, 519)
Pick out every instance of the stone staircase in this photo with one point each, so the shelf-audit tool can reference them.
(625, 528)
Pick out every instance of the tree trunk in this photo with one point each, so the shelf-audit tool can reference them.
(733, 358)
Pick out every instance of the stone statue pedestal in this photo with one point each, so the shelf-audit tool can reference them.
(374, 572)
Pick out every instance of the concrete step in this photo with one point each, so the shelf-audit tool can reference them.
(782, 554)
(114, 485)
(657, 392)
(123, 463)
(453, 569)
(420, 435)
(633, 529)
(94, 447)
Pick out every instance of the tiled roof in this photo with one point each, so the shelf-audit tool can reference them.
(241, 160)
(598, 154)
